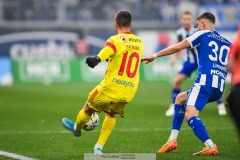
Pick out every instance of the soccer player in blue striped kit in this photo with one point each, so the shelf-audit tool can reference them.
(189, 65)
(213, 50)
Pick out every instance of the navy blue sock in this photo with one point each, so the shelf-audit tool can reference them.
(198, 128)
(175, 92)
(219, 101)
(179, 113)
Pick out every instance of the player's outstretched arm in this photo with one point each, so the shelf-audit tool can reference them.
(103, 55)
(167, 51)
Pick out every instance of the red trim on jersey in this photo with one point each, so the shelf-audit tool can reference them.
(126, 32)
(93, 95)
(112, 46)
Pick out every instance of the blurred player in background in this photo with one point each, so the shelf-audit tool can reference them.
(190, 64)
(123, 52)
(209, 85)
(234, 68)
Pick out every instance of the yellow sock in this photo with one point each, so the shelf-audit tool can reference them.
(107, 127)
(82, 119)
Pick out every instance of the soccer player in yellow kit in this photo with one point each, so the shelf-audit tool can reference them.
(123, 52)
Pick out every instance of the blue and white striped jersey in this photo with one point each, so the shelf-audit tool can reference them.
(213, 50)
(191, 55)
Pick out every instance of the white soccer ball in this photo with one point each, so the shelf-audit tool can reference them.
(93, 123)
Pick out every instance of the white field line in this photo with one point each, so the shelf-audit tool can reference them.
(116, 130)
(15, 156)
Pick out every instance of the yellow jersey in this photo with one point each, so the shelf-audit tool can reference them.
(122, 75)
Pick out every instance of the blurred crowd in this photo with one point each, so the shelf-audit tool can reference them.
(29, 9)
(87, 10)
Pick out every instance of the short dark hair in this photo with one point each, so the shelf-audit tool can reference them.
(209, 16)
(123, 18)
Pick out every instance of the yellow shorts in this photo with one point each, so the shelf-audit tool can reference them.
(101, 102)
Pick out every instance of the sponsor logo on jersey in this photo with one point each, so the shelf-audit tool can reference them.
(135, 40)
(123, 82)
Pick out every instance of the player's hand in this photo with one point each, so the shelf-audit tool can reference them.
(92, 62)
(148, 59)
(227, 99)
(173, 61)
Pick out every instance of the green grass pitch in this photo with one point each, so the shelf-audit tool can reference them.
(30, 124)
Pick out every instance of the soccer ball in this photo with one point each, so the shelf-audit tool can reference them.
(93, 123)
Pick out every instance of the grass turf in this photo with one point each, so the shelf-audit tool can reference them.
(30, 124)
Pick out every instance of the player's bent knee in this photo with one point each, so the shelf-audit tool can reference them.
(112, 115)
(89, 111)
(181, 98)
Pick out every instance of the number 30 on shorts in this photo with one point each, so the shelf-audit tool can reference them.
(128, 61)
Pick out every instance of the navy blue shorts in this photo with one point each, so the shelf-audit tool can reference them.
(199, 95)
(188, 68)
